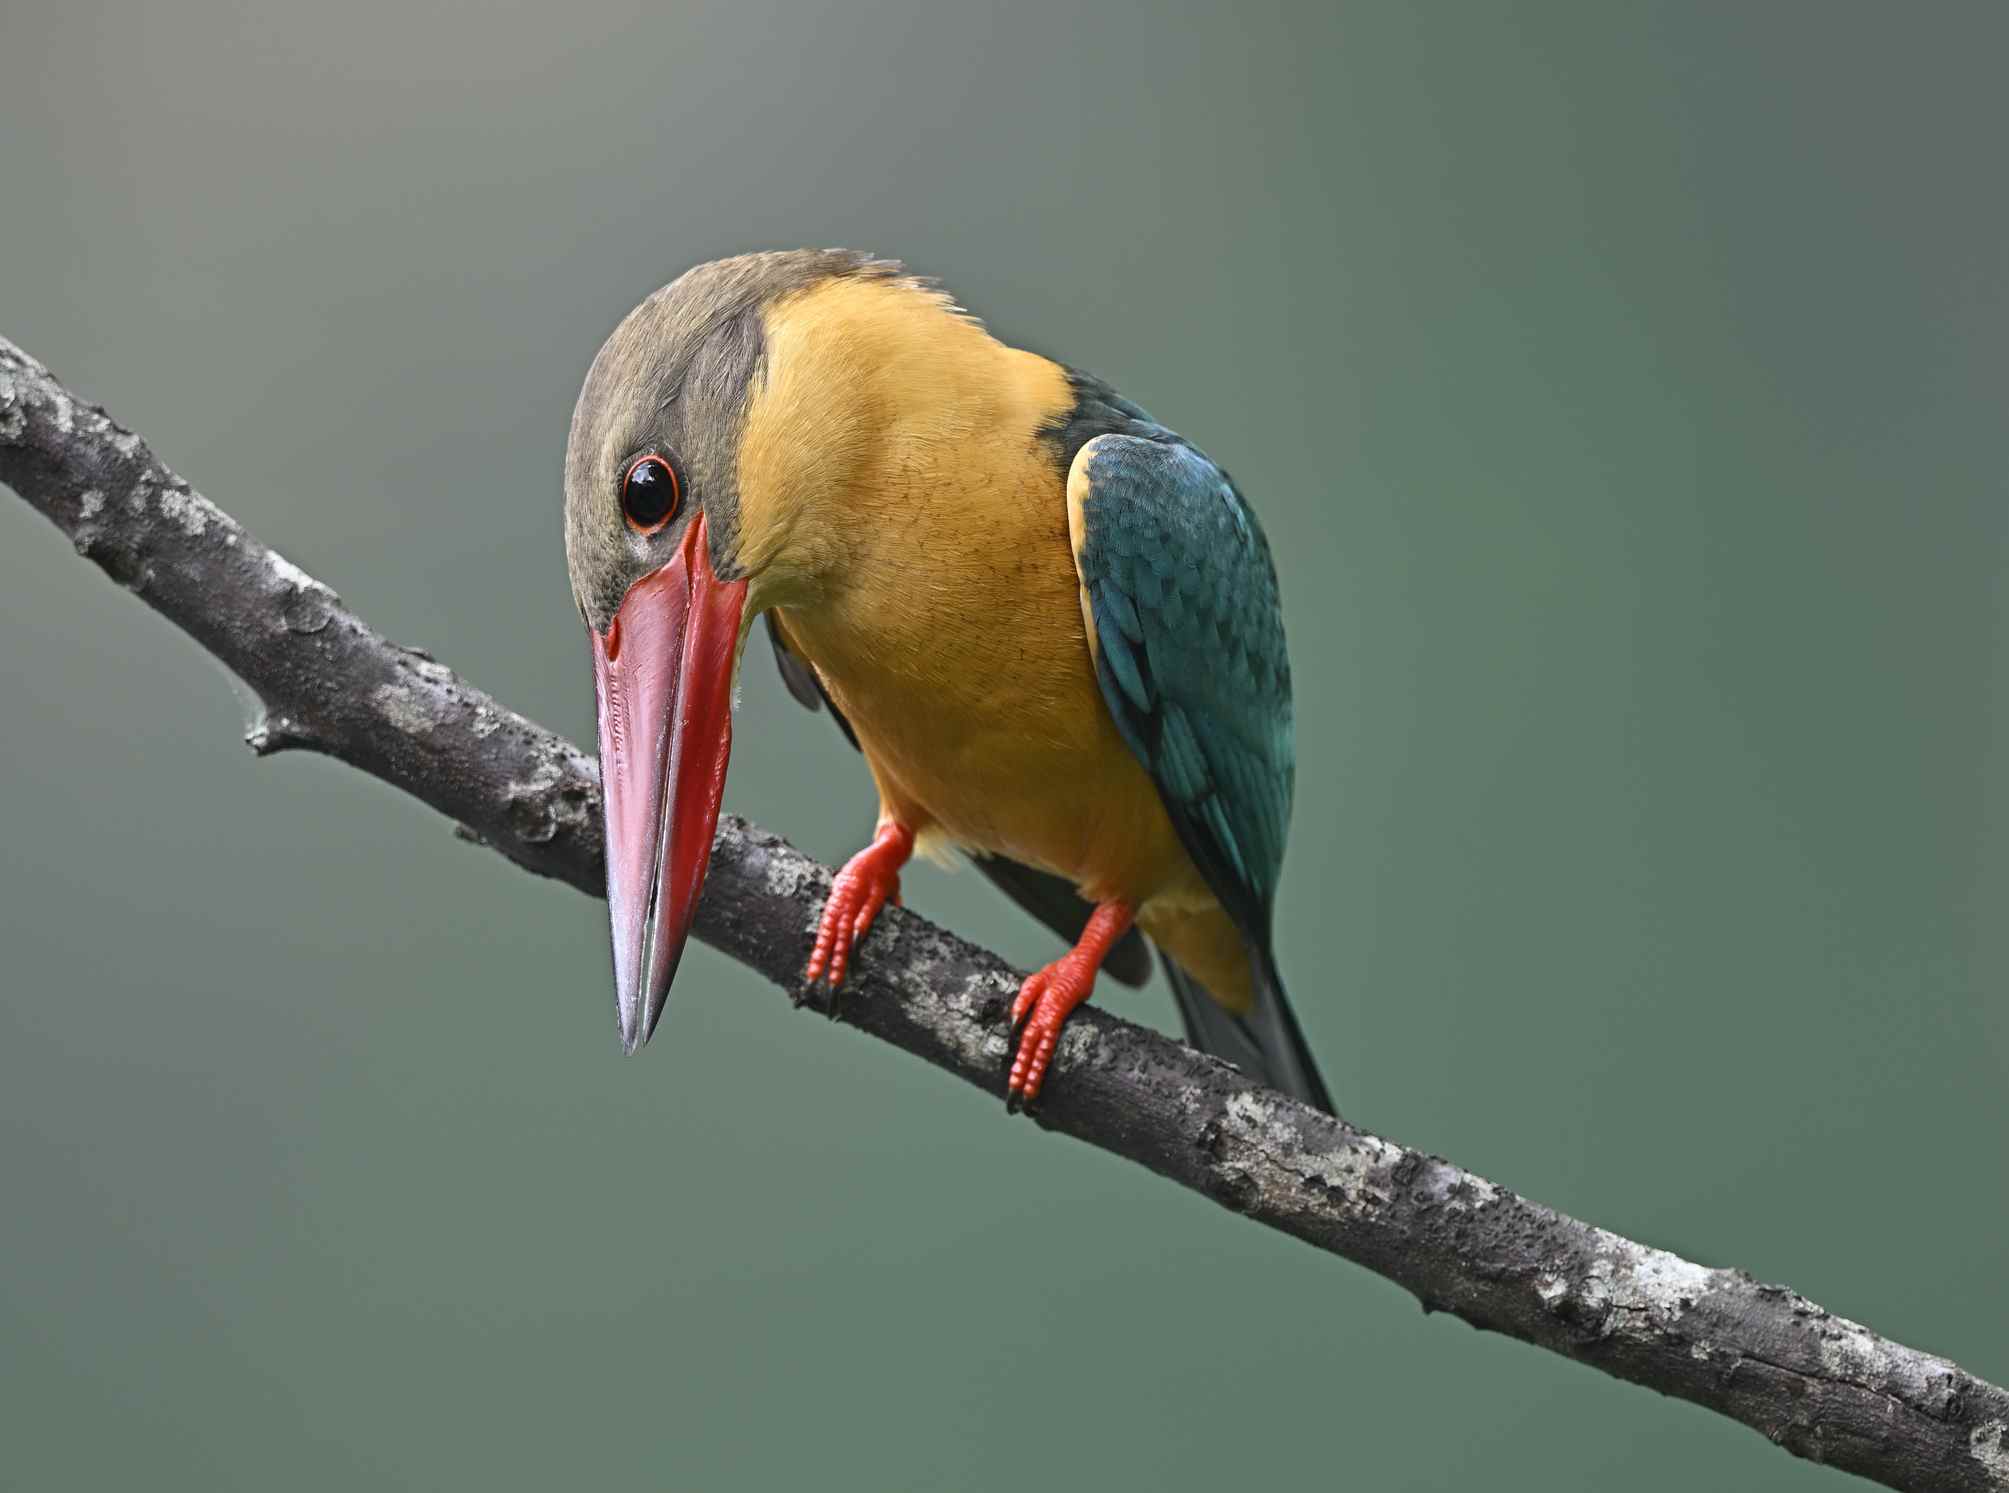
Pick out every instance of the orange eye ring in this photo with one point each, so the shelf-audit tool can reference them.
(651, 494)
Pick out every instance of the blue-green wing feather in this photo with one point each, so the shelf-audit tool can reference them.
(1190, 655)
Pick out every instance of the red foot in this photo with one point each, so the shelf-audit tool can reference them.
(1047, 998)
(861, 889)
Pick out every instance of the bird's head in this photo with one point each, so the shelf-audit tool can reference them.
(687, 512)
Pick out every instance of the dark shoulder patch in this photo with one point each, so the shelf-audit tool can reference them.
(802, 682)
(1097, 410)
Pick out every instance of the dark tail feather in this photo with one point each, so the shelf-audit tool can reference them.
(1265, 1044)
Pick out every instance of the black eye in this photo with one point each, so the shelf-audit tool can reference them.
(650, 494)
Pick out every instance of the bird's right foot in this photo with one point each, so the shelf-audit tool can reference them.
(868, 880)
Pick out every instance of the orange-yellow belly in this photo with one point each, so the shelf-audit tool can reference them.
(983, 724)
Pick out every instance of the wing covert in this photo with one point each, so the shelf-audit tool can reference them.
(1180, 596)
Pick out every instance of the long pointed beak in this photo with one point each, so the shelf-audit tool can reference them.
(664, 674)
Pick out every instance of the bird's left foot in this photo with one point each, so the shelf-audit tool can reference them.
(1048, 998)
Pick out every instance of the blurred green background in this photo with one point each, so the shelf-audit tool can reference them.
(1623, 388)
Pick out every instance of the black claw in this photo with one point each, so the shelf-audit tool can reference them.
(805, 994)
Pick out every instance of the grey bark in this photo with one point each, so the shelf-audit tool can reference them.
(1822, 1387)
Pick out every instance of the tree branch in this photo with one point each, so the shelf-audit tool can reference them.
(1820, 1386)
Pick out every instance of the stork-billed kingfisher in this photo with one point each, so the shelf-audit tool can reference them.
(1049, 623)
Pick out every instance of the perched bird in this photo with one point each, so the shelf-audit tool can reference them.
(1049, 623)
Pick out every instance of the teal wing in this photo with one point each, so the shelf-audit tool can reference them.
(1189, 652)
(1181, 596)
